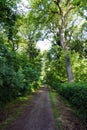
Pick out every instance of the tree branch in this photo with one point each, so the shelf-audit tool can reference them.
(67, 2)
(68, 10)
(57, 2)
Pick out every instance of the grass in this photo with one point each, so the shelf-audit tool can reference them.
(53, 97)
(14, 109)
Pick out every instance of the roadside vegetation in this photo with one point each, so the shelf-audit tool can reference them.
(54, 98)
(76, 94)
(14, 109)
(23, 67)
(65, 113)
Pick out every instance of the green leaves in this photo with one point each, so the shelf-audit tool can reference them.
(76, 94)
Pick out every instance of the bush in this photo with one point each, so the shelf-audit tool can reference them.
(76, 94)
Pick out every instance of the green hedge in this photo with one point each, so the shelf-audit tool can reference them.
(76, 94)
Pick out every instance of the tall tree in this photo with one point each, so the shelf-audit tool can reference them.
(57, 16)
(64, 8)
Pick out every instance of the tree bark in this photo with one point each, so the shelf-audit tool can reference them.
(69, 69)
(66, 56)
(63, 16)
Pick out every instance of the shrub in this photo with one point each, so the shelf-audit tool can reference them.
(76, 94)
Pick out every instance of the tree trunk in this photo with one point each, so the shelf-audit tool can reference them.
(69, 69)
(63, 15)
(66, 56)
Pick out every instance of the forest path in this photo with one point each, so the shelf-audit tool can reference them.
(38, 115)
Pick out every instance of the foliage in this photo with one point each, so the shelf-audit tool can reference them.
(62, 18)
(20, 64)
(76, 94)
(15, 78)
(21, 61)
(79, 68)
(55, 66)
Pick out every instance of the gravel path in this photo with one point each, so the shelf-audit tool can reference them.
(38, 116)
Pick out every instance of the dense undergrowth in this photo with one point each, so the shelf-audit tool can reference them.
(76, 95)
(19, 75)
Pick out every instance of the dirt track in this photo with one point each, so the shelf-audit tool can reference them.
(38, 116)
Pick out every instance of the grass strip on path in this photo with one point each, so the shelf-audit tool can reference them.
(53, 98)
